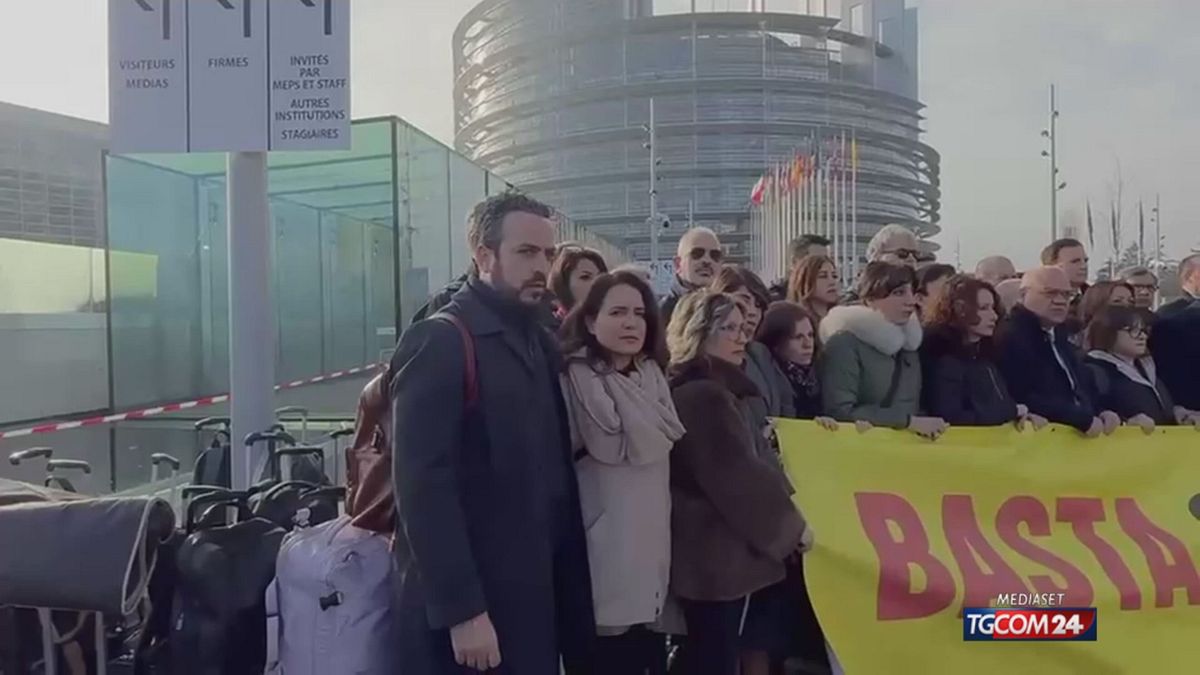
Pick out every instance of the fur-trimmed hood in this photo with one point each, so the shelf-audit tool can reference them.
(872, 328)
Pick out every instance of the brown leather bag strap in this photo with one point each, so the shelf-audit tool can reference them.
(471, 379)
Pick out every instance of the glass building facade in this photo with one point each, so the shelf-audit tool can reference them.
(361, 239)
(555, 94)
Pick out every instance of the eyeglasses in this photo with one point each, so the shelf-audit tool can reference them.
(1145, 287)
(714, 254)
(1136, 332)
(905, 253)
(1057, 295)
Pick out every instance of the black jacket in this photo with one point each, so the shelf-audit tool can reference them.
(440, 299)
(1175, 343)
(961, 385)
(667, 308)
(1034, 376)
(487, 501)
(1119, 392)
(779, 290)
(1177, 306)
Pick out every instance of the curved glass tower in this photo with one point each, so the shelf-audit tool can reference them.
(554, 95)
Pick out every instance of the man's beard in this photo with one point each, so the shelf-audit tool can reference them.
(702, 276)
(513, 293)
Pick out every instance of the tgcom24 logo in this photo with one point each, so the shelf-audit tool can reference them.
(1030, 624)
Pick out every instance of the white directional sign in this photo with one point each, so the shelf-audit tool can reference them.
(229, 75)
(662, 275)
(310, 75)
(147, 75)
(227, 66)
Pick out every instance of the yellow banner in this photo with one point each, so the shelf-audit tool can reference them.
(908, 532)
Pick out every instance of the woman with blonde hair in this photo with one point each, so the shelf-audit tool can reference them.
(733, 524)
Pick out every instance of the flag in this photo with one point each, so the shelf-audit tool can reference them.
(1091, 226)
(759, 190)
(799, 170)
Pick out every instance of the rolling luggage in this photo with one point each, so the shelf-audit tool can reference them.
(333, 596)
(212, 464)
(219, 621)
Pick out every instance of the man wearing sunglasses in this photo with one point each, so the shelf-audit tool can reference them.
(697, 262)
(894, 244)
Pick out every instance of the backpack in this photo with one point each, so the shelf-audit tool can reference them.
(369, 499)
(332, 594)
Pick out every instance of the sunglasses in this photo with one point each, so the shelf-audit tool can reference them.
(714, 254)
(906, 253)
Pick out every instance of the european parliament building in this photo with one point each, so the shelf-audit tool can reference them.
(554, 95)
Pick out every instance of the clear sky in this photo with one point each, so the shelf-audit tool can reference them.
(1126, 72)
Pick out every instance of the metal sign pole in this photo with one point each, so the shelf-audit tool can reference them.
(251, 311)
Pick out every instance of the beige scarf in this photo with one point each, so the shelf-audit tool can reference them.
(621, 419)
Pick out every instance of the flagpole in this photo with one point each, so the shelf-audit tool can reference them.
(780, 224)
(853, 210)
(786, 232)
(845, 177)
(776, 198)
(794, 205)
(1141, 233)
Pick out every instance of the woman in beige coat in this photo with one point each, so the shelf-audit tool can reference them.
(623, 425)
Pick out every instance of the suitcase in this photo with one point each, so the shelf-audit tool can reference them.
(333, 595)
(219, 621)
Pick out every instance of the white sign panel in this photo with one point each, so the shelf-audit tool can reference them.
(229, 75)
(227, 70)
(310, 75)
(147, 55)
(662, 274)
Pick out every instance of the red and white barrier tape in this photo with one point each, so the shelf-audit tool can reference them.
(171, 407)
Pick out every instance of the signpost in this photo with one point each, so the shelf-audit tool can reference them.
(243, 77)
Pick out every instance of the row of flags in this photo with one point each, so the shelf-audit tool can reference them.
(791, 175)
(813, 192)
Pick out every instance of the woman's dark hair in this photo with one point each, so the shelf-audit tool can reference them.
(575, 334)
(931, 275)
(568, 258)
(956, 310)
(734, 278)
(1101, 332)
(1099, 296)
(804, 279)
(880, 279)
(779, 326)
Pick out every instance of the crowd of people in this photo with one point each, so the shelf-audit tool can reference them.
(587, 477)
